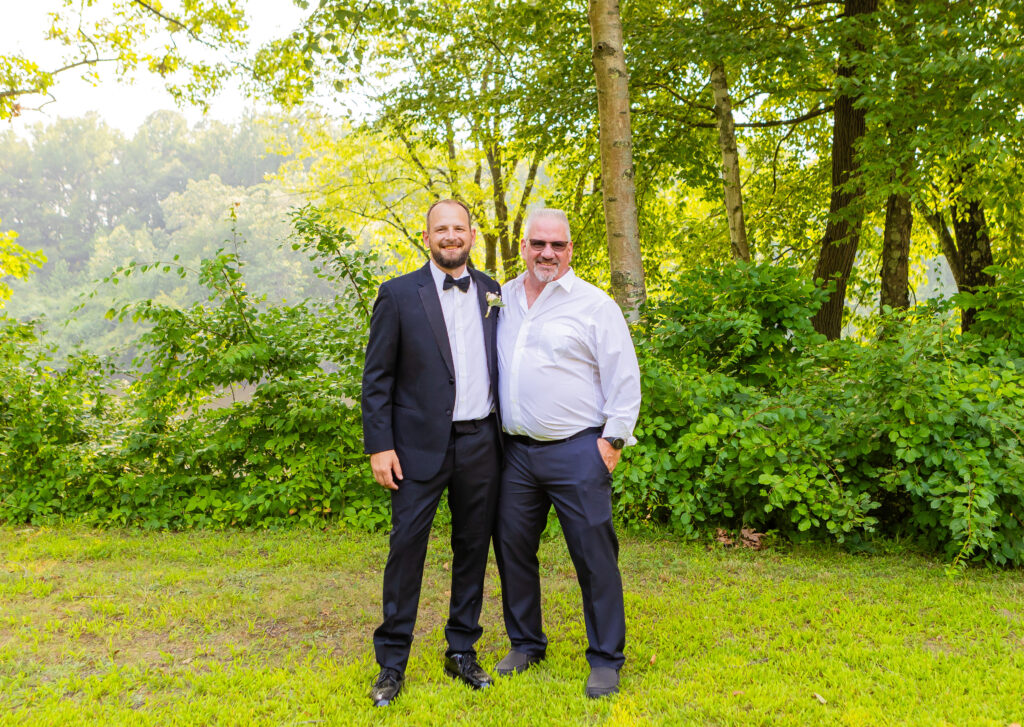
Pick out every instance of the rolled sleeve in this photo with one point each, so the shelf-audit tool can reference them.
(619, 375)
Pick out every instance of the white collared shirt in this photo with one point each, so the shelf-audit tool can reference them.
(566, 363)
(464, 323)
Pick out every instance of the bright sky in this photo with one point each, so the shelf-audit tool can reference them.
(123, 106)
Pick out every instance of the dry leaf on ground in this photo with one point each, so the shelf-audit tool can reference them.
(750, 538)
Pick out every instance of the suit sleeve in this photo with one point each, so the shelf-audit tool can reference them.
(379, 374)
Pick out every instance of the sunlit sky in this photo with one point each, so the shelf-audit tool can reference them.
(23, 26)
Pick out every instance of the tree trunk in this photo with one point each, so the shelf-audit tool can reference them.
(899, 218)
(938, 225)
(490, 256)
(509, 252)
(730, 163)
(842, 233)
(619, 191)
(975, 253)
(524, 202)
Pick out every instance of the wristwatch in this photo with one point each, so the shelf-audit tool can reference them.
(616, 442)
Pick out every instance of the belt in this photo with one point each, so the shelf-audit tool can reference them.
(521, 439)
(471, 426)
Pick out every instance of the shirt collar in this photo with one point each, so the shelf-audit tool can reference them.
(566, 281)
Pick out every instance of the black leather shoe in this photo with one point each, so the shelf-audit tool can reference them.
(602, 682)
(387, 686)
(516, 662)
(465, 667)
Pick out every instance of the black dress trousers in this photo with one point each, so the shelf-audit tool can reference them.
(471, 474)
(572, 476)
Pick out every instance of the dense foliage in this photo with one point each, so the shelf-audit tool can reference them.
(235, 412)
(878, 143)
(751, 420)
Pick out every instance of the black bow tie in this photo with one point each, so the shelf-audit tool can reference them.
(462, 283)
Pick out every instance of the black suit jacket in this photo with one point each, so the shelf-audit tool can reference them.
(409, 376)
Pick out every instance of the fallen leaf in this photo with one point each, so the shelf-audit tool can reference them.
(737, 693)
(750, 538)
(652, 661)
(722, 536)
(820, 698)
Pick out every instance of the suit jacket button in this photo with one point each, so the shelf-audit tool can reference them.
(448, 412)
(451, 381)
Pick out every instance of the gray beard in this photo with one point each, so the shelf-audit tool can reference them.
(545, 277)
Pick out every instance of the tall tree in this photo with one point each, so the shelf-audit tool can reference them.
(940, 87)
(842, 232)
(732, 190)
(975, 252)
(620, 214)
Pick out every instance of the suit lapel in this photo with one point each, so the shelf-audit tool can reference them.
(432, 306)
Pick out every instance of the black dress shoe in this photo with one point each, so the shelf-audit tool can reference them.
(465, 667)
(602, 682)
(386, 688)
(516, 662)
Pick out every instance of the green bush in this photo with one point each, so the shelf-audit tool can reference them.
(160, 454)
(749, 418)
(916, 433)
(57, 428)
(999, 322)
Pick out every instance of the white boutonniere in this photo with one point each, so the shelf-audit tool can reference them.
(493, 301)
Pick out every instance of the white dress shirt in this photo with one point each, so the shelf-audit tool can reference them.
(566, 363)
(464, 322)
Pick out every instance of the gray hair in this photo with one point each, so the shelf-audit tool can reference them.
(547, 213)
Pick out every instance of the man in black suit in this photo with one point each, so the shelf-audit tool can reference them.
(430, 424)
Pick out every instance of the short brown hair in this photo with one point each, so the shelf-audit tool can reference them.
(459, 202)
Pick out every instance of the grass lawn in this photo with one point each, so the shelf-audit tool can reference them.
(274, 628)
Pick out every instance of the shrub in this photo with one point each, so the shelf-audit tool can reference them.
(914, 433)
(57, 428)
(165, 456)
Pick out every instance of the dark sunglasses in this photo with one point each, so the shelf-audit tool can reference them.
(557, 246)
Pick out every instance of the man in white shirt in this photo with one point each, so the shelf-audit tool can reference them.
(569, 388)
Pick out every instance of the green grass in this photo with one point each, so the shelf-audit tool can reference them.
(274, 628)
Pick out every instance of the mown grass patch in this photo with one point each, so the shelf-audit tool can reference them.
(119, 627)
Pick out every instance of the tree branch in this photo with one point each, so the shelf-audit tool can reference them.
(936, 221)
(173, 21)
(749, 125)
